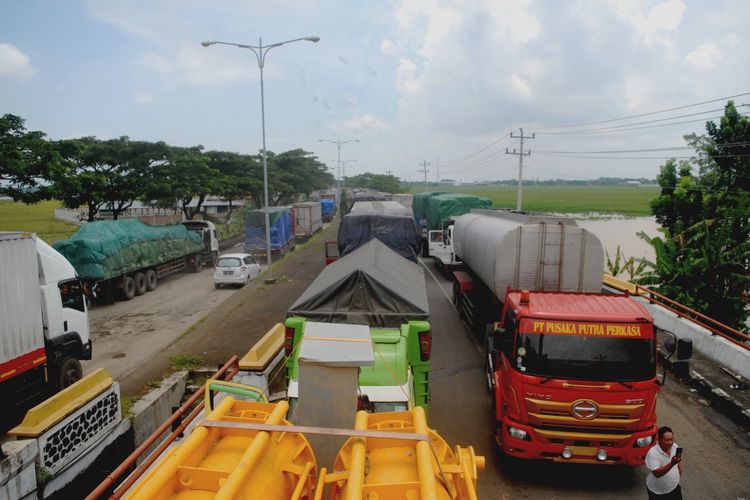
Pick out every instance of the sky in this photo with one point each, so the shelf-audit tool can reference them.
(437, 85)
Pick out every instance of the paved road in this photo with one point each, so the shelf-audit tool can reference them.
(717, 454)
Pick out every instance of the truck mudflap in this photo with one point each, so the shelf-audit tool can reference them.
(580, 446)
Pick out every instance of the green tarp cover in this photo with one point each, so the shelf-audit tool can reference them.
(419, 203)
(108, 249)
(442, 207)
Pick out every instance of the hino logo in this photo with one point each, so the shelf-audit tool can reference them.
(584, 409)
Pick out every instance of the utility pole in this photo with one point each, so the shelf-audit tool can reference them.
(520, 154)
(437, 171)
(424, 170)
(389, 172)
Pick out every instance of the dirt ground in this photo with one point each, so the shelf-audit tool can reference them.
(234, 325)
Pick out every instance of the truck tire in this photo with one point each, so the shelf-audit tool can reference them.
(196, 265)
(152, 280)
(140, 283)
(68, 373)
(128, 288)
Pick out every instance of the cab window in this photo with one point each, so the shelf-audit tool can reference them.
(72, 295)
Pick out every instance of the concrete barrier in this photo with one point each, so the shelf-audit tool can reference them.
(715, 347)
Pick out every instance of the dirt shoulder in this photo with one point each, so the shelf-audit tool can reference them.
(235, 325)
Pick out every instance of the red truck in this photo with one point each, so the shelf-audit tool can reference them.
(572, 370)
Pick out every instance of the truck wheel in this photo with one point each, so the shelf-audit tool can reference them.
(70, 372)
(128, 288)
(196, 265)
(151, 280)
(140, 283)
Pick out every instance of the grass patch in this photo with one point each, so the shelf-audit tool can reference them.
(127, 403)
(627, 200)
(38, 218)
(187, 362)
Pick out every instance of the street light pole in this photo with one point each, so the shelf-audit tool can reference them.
(338, 144)
(343, 169)
(260, 54)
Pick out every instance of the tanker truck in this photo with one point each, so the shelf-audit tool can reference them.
(126, 258)
(44, 324)
(572, 370)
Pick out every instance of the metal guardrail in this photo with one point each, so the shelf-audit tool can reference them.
(714, 326)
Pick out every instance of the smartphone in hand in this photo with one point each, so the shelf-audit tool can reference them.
(678, 451)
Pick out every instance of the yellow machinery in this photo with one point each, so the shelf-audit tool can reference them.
(248, 450)
(225, 459)
(420, 466)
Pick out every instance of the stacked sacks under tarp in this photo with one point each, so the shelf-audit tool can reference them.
(107, 249)
(282, 234)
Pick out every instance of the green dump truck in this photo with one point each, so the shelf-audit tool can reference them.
(372, 286)
(125, 258)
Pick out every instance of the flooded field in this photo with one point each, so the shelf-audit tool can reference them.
(622, 231)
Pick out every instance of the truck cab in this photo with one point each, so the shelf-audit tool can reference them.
(207, 232)
(398, 381)
(441, 249)
(573, 377)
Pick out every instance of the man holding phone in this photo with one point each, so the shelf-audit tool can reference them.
(664, 461)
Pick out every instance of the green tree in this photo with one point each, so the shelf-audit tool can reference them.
(293, 173)
(240, 176)
(378, 182)
(702, 260)
(26, 159)
(184, 175)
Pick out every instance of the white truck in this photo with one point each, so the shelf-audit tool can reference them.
(308, 219)
(441, 249)
(44, 327)
(207, 232)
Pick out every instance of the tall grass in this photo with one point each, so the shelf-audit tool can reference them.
(38, 218)
(627, 200)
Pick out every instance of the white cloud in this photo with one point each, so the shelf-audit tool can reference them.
(365, 122)
(705, 56)
(519, 85)
(201, 66)
(14, 63)
(387, 47)
(637, 92)
(514, 20)
(653, 25)
(142, 97)
(407, 79)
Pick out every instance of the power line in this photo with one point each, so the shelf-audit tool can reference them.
(644, 114)
(616, 129)
(520, 154)
(641, 157)
(460, 160)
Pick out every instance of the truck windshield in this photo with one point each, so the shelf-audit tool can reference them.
(585, 358)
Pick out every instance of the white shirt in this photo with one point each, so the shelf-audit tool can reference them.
(656, 458)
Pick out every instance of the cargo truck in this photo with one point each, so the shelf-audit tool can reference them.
(309, 219)
(387, 221)
(43, 324)
(125, 258)
(572, 370)
(376, 287)
(282, 231)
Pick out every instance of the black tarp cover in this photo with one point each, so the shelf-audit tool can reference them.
(399, 232)
(371, 286)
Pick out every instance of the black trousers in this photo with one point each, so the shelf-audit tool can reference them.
(675, 494)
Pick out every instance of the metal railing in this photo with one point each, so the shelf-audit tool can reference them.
(714, 326)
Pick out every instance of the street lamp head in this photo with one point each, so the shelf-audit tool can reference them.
(314, 39)
(206, 43)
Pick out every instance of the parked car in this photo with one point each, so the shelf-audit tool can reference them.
(235, 269)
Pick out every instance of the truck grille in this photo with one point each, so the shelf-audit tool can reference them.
(555, 423)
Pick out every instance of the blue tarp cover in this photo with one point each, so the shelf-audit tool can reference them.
(255, 228)
(326, 206)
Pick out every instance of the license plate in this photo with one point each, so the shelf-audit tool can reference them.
(226, 273)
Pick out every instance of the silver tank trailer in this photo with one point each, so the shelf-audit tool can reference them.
(529, 252)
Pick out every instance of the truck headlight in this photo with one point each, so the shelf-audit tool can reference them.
(518, 434)
(644, 441)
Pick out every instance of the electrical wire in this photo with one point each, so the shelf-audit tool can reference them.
(651, 113)
(618, 129)
(651, 150)
(460, 160)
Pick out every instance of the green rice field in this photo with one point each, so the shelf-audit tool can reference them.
(38, 218)
(626, 200)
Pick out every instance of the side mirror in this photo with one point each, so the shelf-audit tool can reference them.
(497, 338)
(670, 345)
(684, 349)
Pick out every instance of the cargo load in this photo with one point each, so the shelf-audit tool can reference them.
(441, 208)
(327, 209)
(399, 232)
(373, 286)
(104, 250)
(282, 231)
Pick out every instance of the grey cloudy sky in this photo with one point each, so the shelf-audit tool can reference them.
(443, 81)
